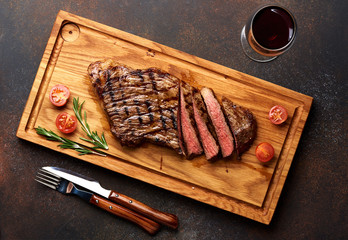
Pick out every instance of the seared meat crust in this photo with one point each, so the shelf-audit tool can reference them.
(242, 123)
(140, 104)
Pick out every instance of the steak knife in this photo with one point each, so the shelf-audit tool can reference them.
(90, 184)
(66, 187)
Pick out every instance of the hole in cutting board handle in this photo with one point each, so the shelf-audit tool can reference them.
(70, 32)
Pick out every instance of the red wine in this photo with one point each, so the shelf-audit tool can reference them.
(273, 27)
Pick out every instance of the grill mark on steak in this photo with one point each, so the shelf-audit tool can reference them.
(140, 104)
(151, 117)
(127, 93)
(163, 121)
(126, 110)
(140, 120)
(96, 73)
(138, 110)
(138, 73)
(133, 110)
(172, 117)
(154, 86)
(242, 123)
(217, 117)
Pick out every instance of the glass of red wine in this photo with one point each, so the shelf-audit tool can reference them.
(269, 32)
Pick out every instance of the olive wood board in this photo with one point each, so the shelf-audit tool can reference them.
(243, 185)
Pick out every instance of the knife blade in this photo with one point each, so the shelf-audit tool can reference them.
(91, 184)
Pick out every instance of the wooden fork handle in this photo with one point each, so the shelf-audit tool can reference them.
(167, 219)
(147, 224)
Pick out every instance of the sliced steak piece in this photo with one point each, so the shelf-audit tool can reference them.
(181, 138)
(188, 126)
(217, 117)
(242, 123)
(205, 127)
(140, 104)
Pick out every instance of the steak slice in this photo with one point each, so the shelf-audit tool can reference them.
(188, 125)
(141, 105)
(205, 127)
(243, 124)
(217, 117)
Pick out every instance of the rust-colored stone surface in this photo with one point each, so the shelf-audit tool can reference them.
(313, 204)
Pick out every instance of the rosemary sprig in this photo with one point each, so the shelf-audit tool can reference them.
(66, 143)
(98, 142)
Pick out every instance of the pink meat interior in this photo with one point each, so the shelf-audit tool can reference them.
(211, 149)
(189, 134)
(217, 117)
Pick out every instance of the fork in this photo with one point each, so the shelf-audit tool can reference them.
(66, 187)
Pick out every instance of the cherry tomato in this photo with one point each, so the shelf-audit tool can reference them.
(264, 152)
(278, 114)
(59, 95)
(66, 123)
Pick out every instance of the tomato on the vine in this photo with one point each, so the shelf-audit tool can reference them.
(264, 152)
(59, 95)
(66, 123)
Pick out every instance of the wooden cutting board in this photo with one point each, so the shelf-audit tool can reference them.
(242, 186)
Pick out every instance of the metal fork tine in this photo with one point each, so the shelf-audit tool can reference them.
(47, 181)
(46, 184)
(47, 177)
(49, 173)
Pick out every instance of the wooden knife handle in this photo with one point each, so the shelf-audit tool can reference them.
(167, 219)
(147, 224)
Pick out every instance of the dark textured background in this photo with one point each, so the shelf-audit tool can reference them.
(313, 204)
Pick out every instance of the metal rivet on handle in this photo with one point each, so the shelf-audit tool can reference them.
(130, 201)
(97, 201)
(110, 207)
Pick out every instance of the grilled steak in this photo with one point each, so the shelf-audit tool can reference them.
(187, 122)
(140, 104)
(152, 105)
(217, 117)
(205, 128)
(242, 123)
